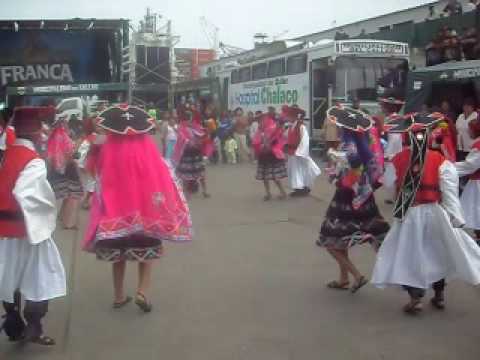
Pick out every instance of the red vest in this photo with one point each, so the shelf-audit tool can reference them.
(12, 223)
(294, 138)
(429, 190)
(476, 174)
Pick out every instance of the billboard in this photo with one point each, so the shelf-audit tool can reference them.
(56, 57)
(188, 62)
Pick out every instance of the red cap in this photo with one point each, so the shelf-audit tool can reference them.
(28, 119)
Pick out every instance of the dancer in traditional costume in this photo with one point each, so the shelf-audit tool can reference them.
(426, 243)
(268, 144)
(30, 264)
(302, 170)
(191, 147)
(470, 199)
(138, 204)
(353, 216)
(63, 173)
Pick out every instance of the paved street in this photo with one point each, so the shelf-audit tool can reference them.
(251, 286)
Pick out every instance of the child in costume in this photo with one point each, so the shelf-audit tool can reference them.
(231, 148)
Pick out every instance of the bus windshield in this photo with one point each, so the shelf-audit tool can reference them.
(365, 78)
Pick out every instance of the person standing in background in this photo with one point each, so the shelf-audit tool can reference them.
(224, 128)
(231, 148)
(470, 198)
(253, 130)
(7, 133)
(240, 135)
(390, 107)
(170, 136)
(464, 141)
(211, 126)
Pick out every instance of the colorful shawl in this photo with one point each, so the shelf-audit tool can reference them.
(191, 135)
(269, 137)
(362, 171)
(60, 148)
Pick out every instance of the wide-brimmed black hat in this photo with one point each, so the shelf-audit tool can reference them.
(349, 118)
(413, 122)
(126, 120)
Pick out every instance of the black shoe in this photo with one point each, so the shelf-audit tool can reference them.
(14, 326)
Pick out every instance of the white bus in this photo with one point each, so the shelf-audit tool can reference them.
(315, 77)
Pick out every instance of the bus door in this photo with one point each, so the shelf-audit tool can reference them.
(319, 92)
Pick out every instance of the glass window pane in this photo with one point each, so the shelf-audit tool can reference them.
(276, 68)
(245, 74)
(259, 71)
(297, 64)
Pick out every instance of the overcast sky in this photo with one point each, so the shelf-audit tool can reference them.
(237, 20)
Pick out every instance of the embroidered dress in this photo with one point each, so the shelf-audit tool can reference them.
(138, 203)
(353, 216)
(268, 144)
(62, 171)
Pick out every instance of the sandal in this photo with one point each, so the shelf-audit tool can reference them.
(42, 340)
(206, 195)
(414, 307)
(358, 285)
(142, 303)
(120, 304)
(338, 285)
(438, 303)
(267, 198)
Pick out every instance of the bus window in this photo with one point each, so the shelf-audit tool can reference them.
(235, 76)
(297, 64)
(259, 71)
(245, 74)
(361, 77)
(276, 68)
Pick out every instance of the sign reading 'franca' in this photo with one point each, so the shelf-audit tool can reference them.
(34, 73)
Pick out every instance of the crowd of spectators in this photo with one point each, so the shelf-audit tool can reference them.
(450, 45)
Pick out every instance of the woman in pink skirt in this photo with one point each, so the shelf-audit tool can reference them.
(138, 203)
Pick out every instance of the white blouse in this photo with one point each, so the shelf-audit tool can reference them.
(464, 141)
